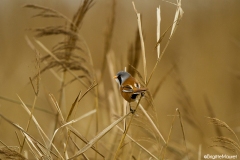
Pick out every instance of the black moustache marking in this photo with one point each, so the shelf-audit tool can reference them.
(134, 96)
(119, 79)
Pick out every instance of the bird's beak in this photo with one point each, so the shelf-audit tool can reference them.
(115, 77)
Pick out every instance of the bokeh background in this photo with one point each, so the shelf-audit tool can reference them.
(204, 52)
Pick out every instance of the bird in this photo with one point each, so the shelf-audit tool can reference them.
(129, 87)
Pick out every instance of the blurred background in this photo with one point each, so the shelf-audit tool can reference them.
(204, 55)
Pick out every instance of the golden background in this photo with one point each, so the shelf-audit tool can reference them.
(204, 51)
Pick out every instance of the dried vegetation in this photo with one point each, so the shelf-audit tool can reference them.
(72, 57)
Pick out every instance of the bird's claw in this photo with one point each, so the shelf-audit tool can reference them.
(132, 110)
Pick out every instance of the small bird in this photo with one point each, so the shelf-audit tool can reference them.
(129, 87)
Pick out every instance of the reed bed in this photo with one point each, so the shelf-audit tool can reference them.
(123, 135)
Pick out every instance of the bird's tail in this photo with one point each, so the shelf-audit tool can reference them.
(140, 90)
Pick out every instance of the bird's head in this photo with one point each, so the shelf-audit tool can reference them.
(121, 77)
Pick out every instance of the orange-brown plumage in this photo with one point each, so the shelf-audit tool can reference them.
(129, 87)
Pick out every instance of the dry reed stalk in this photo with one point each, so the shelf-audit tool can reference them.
(146, 128)
(10, 153)
(18, 138)
(169, 134)
(28, 105)
(37, 150)
(70, 123)
(183, 132)
(219, 123)
(94, 81)
(64, 50)
(126, 131)
(178, 16)
(84, 155)
(73, 106)
(98, 137)
(224, 141)
(5, 145)
(158, 29)
(132, 139)
(142, 43)
(78, 99)
(59, 61)
(133, 56)
(72, 40)
(73, 130)
(47, 12)
(62, 54)
(78, 135)
(224, 146)
(55, 102)
(41, 132)
(62, 97)
(200, 152)
(145, 76)
(152, 123)
(112, 114)
(212, 114)
(38, 61)
(29, 121)
(68, 66)
(111, 61)
(116, 102)
(108, 37)
(27, 134)
(96, 97)
(93, 85)
(36, 90)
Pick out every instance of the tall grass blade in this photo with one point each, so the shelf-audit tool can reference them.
(142, 43)
(158, 29)
(98, 137)
(152, 123)
(132, 139)
(70, 123)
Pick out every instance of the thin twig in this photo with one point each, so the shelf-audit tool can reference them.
(137, 143)
(169, 134)
(153, 124)
(183, 132)
(126, 131)
(98, 137)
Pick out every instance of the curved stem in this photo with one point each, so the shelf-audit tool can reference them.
(125, 133)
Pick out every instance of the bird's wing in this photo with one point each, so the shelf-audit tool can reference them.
(127, 88)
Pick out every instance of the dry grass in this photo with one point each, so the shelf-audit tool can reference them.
(224, 142)
(122, 135)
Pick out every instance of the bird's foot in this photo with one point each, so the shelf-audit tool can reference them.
(132, 110)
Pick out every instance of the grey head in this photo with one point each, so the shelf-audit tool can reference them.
(121, 77)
